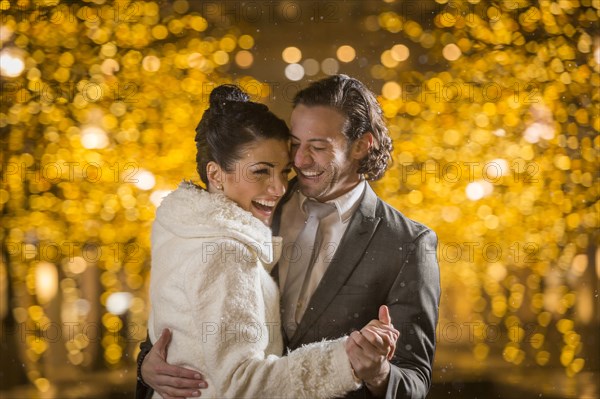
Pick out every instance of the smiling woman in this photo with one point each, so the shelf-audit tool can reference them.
(243, 152)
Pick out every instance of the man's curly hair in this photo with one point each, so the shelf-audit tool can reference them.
(363, 114)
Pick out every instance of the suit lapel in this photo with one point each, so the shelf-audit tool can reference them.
(352, 247)
(276, 223)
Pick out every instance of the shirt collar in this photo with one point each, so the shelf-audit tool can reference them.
(345, 204)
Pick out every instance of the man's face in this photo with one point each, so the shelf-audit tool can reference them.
(320, 152)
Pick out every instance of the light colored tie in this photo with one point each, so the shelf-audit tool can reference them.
(307, 246)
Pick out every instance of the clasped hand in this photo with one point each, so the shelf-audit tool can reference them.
(371, 349)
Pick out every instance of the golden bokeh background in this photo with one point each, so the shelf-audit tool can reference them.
(493, 106)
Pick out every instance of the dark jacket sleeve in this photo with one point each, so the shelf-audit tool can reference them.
(413, 302)
(143, 391)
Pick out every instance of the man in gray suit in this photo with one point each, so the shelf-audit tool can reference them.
(367, 255)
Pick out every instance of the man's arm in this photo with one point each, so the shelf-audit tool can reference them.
(143, 391)
(413, 301)
(155, 374)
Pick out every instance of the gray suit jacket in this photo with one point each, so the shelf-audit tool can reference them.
(383, 258)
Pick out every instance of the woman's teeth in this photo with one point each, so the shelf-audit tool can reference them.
(270, 204)
(264, 205)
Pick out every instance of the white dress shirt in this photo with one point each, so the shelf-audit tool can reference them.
(332, 227)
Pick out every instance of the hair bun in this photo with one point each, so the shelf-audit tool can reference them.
(224, 94)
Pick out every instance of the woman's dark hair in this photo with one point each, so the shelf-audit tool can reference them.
(231, 123)
(363, 114)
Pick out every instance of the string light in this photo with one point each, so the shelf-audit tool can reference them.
(291, 55)
(346, 53)
(294, 72)
(11, 65)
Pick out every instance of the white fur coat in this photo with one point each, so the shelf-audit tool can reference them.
(211, 286)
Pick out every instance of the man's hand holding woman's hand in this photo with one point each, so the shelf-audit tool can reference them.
(370, 350)
(170, 382)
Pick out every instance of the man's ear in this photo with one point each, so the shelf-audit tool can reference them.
(362, 146)
(215, 176)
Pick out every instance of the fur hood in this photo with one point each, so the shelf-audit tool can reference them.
(192, 212)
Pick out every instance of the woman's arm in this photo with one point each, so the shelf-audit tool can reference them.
(234, 332)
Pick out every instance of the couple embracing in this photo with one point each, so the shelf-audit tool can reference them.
(267, 288)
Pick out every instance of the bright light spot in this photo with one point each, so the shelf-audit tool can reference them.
(244, 59)
(488, 188)
(400, 52)
(497, 271)
(151, 63)
(496, 168)
(220, 57)
(227, 44)
(537, 131)
(76, 264)
(145, 180)
(291, 55)
(294, 72)
(478, 189)
(451, 52)
(109, 66)
(391, 90)
(597, 55)
(196, 60)
(474, 191)
(562, 162)
(532, 133)
(246, 42)
(579, 264)
(387, 60)
(311, 66)
(6, 33)
(11, 65)
(198, 23)
(157, 196)
(83, 307)
(500, 132)
(46, 281)
(42, 384)
(330, 66)
(109, 50)
(93, 137)
(118, 302)
(346, 53)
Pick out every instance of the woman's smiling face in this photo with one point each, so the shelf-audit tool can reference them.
(259, 178)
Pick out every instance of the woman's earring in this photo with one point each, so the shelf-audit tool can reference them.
(220, 187)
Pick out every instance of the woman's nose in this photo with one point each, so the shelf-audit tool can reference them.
(278, 186)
